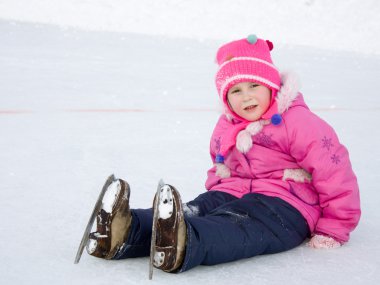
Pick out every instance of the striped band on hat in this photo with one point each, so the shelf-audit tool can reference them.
(245, 77)
(247, 58)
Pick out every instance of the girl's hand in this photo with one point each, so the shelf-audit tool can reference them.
(321, 241)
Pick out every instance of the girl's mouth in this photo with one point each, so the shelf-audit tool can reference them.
(249, 108)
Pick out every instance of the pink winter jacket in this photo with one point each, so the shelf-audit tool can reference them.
(300, 161)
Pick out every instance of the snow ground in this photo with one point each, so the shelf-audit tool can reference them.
(76, 106)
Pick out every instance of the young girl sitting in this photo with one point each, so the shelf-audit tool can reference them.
(280, 176)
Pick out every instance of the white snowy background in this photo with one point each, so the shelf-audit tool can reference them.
(90, 88)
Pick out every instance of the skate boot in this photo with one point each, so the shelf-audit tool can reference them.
(170, 241)
(113, 221)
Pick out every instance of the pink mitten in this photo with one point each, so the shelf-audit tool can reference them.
(321, 241)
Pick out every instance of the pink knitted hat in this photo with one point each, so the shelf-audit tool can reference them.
(247, 59)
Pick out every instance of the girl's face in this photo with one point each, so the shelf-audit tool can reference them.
(249, 100)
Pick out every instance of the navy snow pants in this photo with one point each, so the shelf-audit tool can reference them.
(222, 228)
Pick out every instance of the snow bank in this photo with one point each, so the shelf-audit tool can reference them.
(350, 25)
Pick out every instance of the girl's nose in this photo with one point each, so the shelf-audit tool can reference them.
(246, 95)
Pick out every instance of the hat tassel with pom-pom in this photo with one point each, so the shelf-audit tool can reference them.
(221, 169)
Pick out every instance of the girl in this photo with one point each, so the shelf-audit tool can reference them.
(280, 176)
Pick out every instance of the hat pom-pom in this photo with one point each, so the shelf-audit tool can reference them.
(219, 158)
(276, 119)
(244, 141)
(270, 45)
(252, 39)
(222, 170)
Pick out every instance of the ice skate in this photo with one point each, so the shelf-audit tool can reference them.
(170, 236)
(113, 221)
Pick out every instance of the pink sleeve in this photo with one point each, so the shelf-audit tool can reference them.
(316, 148)
(212, 178)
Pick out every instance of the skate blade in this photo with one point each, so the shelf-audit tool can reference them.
(155, 219)
(97, 207)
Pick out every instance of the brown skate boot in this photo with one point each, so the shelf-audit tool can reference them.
(170, 243)
(112, 222)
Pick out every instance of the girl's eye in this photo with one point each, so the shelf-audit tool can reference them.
(235, 91)
(254, 85)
